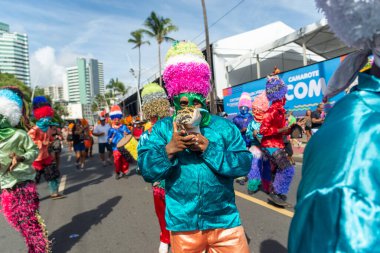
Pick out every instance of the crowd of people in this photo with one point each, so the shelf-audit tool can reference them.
(192, 158)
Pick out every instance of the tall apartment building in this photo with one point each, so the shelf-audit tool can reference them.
(55, 92)
(14, 54)
(85, 81)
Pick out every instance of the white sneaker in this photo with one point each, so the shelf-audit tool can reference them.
(82, 166)
(164, 248)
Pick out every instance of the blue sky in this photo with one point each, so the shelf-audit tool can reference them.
(59, 31)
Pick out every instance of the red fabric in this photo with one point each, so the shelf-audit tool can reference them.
(42, 112)
(121, 165)
(159, 206)
(274, 119)
(42, 140)
(137, 131)
(41, 164)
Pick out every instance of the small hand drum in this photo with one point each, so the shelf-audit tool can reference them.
(189, 119)
(296, 132)
(127, 146)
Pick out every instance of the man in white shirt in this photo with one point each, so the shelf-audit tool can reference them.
(101, 131)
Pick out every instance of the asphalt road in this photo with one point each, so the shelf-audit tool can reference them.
(101, 214)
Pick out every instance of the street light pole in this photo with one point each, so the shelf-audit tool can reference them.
(31, 101)
(208, 57)
(132, 71)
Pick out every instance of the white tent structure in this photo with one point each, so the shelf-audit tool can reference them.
(273, 45)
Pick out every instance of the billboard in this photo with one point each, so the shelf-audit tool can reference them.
(305, 88)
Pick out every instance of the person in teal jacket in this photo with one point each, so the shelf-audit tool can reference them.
(338, 200)
(198, 168)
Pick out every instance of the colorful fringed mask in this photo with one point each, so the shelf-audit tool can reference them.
(186, 70)
(154, 101)
(260, 105)
(275, 88)
(11, 104)
(187, 74)
(115, 112)
(42, 108)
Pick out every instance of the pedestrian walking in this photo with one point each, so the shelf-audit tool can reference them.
(155, 106)
(198, 167)
(308, 125)
(101, 131)
(317, 118)
(338, 203)
(42, 136)
(56, 145)
(78, 144)
(70, 140)
(115, 134)
(65, 133)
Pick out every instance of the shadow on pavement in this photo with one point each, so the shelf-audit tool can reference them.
(79, 186)
(80, 225)
(272, 246)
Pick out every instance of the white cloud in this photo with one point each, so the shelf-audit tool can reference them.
(45, 70)
(49, 68)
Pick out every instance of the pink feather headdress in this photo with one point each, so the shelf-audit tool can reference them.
(186, 70)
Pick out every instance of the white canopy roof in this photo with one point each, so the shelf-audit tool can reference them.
(316, 38)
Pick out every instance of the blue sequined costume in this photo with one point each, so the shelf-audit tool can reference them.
(242, 121)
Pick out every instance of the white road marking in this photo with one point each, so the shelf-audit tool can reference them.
(62, 184)
(264, 204)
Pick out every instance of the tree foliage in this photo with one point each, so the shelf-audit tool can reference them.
(137, 38)
(159, 27)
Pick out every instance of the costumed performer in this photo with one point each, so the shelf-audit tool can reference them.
(242, 121)
(244, 117)
(260, 173)
(273, 128)
(19, 197)
(42, 135)
(198, 163)
(155, 106)
(338, 199)
(115, 134)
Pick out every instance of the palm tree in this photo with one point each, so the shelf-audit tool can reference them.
(137, 40)
(159, 27)
(117, 88)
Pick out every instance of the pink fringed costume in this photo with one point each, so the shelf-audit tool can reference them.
(19, 198)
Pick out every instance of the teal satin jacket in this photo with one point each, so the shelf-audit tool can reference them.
(199, 187)
(338, 201)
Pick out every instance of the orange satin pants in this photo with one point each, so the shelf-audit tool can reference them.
(231, 240)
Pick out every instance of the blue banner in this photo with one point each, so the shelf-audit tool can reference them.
(305, 88)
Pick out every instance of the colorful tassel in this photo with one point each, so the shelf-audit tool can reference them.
(20, 208)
